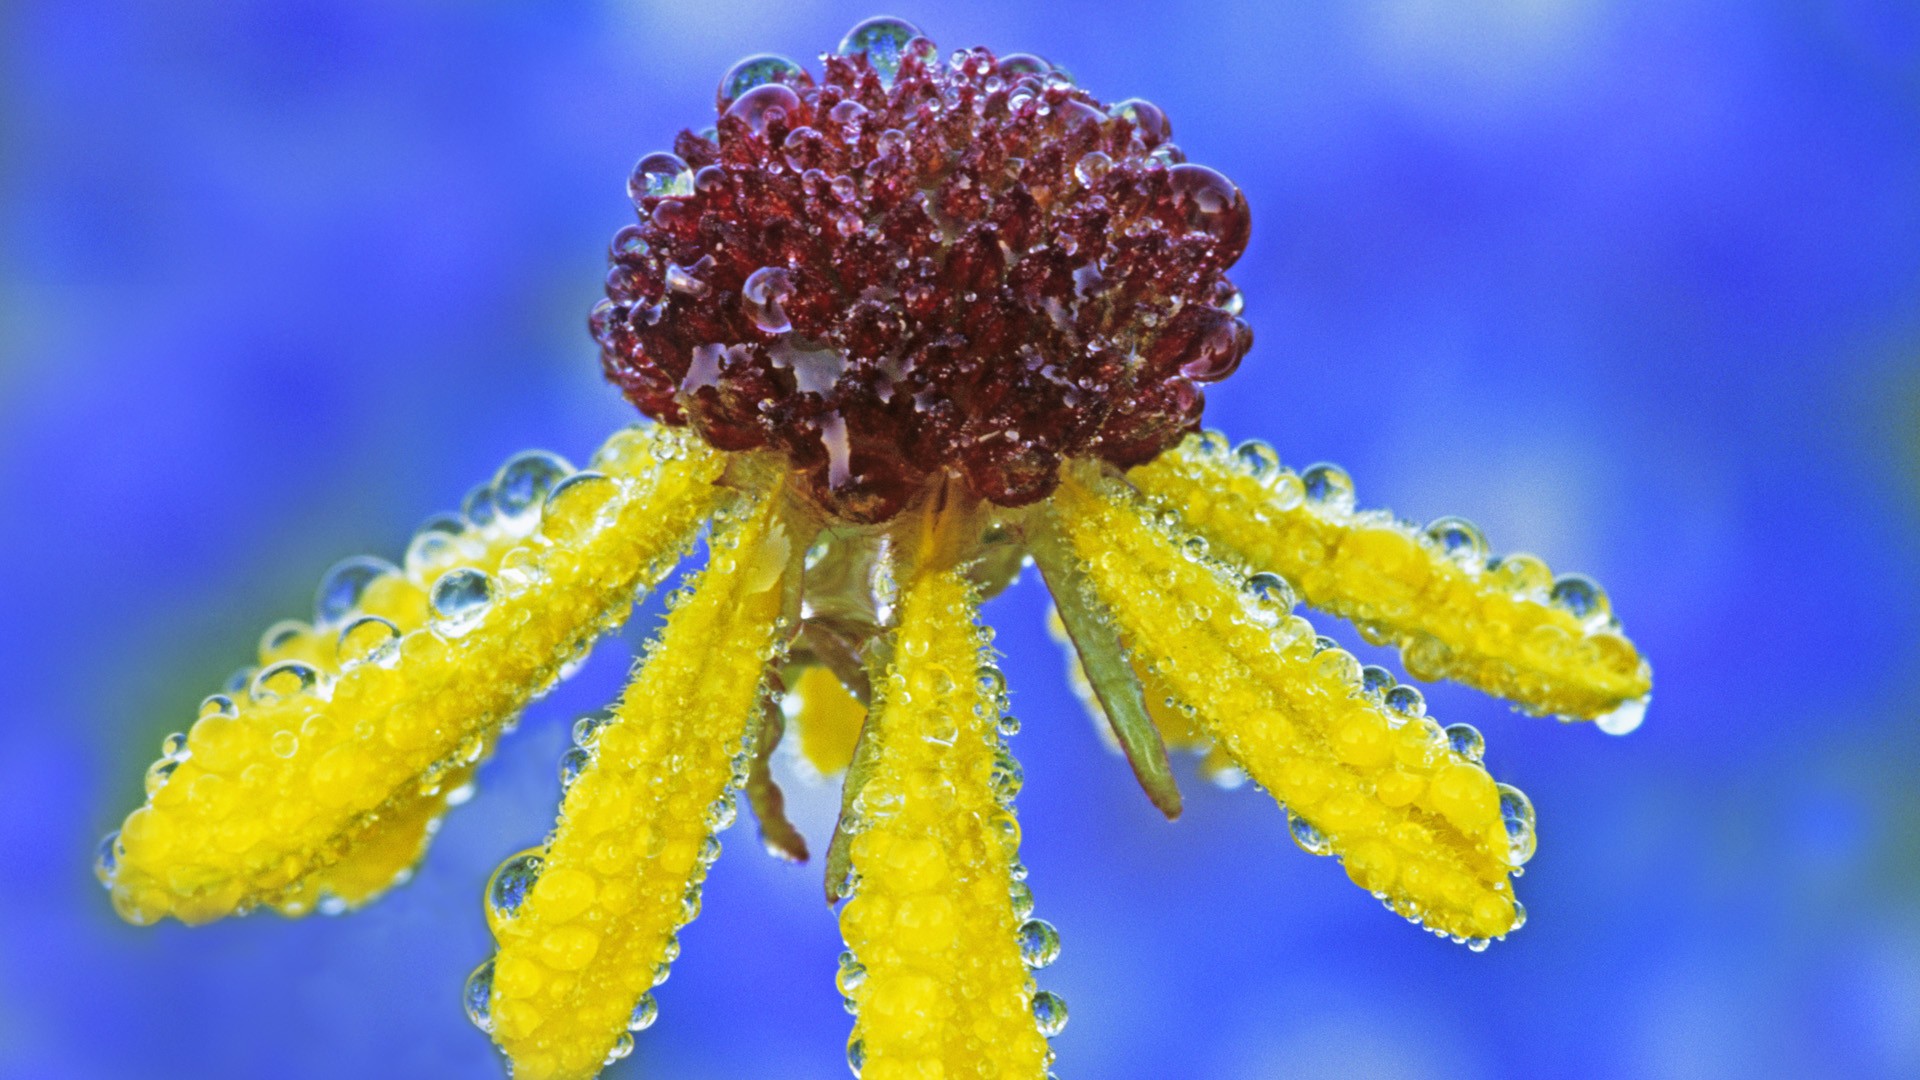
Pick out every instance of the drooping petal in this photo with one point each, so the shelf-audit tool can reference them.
(1506, 626)
(1104, 667)
(580, 947)
(322, 782)
(1364, 772)
(936, 972)
(829, 719)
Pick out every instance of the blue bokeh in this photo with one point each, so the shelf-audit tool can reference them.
(1634, 285)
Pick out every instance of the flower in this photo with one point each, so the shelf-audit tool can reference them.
(902, 332)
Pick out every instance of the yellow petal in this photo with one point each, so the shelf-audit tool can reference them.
(936, 970)
(329, 774)
(624, 867)
(829, 719)
(1453, 614)
(1413, 820)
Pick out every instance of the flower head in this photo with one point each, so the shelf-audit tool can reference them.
(905, 331)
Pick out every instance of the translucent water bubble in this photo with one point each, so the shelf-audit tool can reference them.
(1146, 117)
(174, 747)
(284, 680)
(856, 1056)
(342, 587)
(369, 639)
(622, 1046)
(1516, 811)
(1022, 896)
(1408, 701)
(1328, 488)
(1009, 726)
(586, 730)
(159, 773)
(1007, 776)
(1459, 539)
(1049, 1013)
(521, 568)
(1624, 718)
(1311, 840)
(759, 70)
(1466, 740)
(1039, 943)
(106, 858)
(572, 764)
(1092, 167)
(851, 974)
(1273, 598)
(1376, 680)
(477, 997)
(645, 1012)
(721, 814)
(761, 297)
(883, 41)
(1521, 573)
(460, 598)
(660, 175)
(523, 483)
(1580, 596)
(513, 881)
(578, 505)
(1257, 459)
(477, 507)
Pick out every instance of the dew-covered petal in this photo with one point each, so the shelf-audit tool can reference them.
(1413, 820)
(1505, 626)
(355, 732)
(933, 926)
(583, 944)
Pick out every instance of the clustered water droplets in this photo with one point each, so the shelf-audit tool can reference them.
(912, 267)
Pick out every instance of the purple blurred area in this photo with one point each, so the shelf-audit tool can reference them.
(1634, 286)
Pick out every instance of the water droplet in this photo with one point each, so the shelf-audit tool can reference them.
(586, 730)
(1405, 700)
(1466, 740)
(106, 858)
(512, 882)
(1009, 726)
(645, 1012)
(1375, 680)
(278, 682)
(343, 586)
(1039, 943)
(1146, 118)
(1311, 840)
(1459, 539)
(1624, 718)
(1257, 459)
(1273, 597)
(1478, 944)
(521, 486)
(477, 996)
(1022, 895)
(460, 599)
(1521, 573)
(1580, 596)
(218, 705)
(761, 298)
(660, 176)
(284, 744)
(1516, 810)
(477, 507)
(174, 747)
(1092, 167)
(760, 70)
(883, 41)
(572, 764)
(721, 813)
(856, 1056)
(1007, 776)
(1049, 1013)
(1328, 488)
(580, 505)
(368, 639)
(622, 1046)
(1212, 205)
(756, 108)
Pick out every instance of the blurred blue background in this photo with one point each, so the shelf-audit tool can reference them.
(1635, 286)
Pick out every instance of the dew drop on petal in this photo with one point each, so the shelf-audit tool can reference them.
(368, 639)
(477, 996)
(343, 586)
(512, 881)
(1580, 596)
(1405, 700)
(622, 1046)
(106, 858)
(660, 175)
(856, 1056)
(460, 598)
(572, 764)
(1311, 840)
(645, 1012)
(761, 297)
(1210, 203)
(1049, 1013)
(524, 481)
(1039, 943)
(1466, 740)
(1328, 488)
(286, 679)
(1624, 718)
(1516, 811)
(477, 507)
(1257, 459)
(757, 106)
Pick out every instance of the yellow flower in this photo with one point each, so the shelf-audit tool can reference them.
(881, 402)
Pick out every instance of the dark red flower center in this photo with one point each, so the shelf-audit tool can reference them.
(916, 268)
